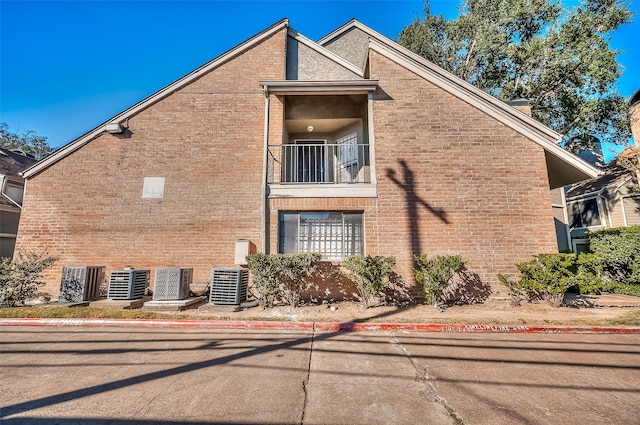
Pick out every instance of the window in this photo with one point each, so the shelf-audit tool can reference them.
(584, 213)
(14, 191)
(335, 235)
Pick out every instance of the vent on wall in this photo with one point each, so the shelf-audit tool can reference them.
(128, 284)
(229, 286)
(172, 283)
(81, 283)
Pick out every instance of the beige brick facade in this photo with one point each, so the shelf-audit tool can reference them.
(451, 179)
(462, 182)
(206, 140)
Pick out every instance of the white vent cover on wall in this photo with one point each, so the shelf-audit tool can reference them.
(153, 187)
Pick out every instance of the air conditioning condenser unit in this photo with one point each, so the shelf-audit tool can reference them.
(128, 284)
(81, 283)
(229, 286)
(172, 283)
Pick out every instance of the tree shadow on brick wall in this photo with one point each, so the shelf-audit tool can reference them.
(413, 203)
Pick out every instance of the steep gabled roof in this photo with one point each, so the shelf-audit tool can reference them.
(155, 97)
(614, 175)
(12, 163)
(511, 117)
(557, 158)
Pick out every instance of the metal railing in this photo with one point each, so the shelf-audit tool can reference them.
(305, 163)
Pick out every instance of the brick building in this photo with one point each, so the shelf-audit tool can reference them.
(345, 146)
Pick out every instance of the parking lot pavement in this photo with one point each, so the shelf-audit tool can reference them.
(123, 376)
(532, 379)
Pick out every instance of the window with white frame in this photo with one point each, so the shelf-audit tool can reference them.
(584, 213)
(334, 235)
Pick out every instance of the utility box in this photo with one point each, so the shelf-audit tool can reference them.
(244, 247)
(172, 283)
(81, 283)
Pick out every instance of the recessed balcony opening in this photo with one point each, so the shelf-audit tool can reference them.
(325, 141)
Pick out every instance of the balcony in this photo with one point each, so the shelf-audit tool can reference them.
(305, 163)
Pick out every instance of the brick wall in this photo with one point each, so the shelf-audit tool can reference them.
(464, 183)
(205, 139)
(634, 117)
(450, 180)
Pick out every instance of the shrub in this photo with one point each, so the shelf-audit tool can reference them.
(281, 277)
(436, 275)
(547, 276)
(590, 276)
(370, 274)
(19, 277)
(619, 250)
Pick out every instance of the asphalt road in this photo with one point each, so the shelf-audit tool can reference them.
(124, 376)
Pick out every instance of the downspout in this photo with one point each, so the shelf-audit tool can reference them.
(265, 162)
(565, 213)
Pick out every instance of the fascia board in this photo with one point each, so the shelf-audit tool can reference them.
(325, 52)
(325, 87)
(515, 119)
(155, 97)
(584, 197)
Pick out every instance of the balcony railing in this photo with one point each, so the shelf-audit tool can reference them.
(318, 163)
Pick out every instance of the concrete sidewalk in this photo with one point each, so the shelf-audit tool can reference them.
(137, 375)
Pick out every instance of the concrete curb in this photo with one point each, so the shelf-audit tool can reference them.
(325, 326)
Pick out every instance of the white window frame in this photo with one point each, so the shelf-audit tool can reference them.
(600, 213)
(343, 233)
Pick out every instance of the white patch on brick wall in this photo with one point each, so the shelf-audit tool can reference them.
(153, 187)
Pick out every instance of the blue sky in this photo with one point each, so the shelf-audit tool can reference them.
(67, 66)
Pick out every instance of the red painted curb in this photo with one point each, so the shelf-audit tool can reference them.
(324, 326)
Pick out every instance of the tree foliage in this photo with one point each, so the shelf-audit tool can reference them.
(558, 59)
(28, 142)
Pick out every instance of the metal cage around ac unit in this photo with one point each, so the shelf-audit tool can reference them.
(81, 283)
(128, 284)
(228, 286)
(172, 283)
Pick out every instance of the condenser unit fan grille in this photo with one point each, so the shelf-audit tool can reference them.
(229, 286)
(128, 284)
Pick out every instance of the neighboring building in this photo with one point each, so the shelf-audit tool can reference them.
(611, 200)
(347, 146)
(11, 194)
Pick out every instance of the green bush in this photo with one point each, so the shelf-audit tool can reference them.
(591, 277)
(19, 277)
(436, 275)
(547, 276)
(619, 250)
(281, 277)
(370, 274)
